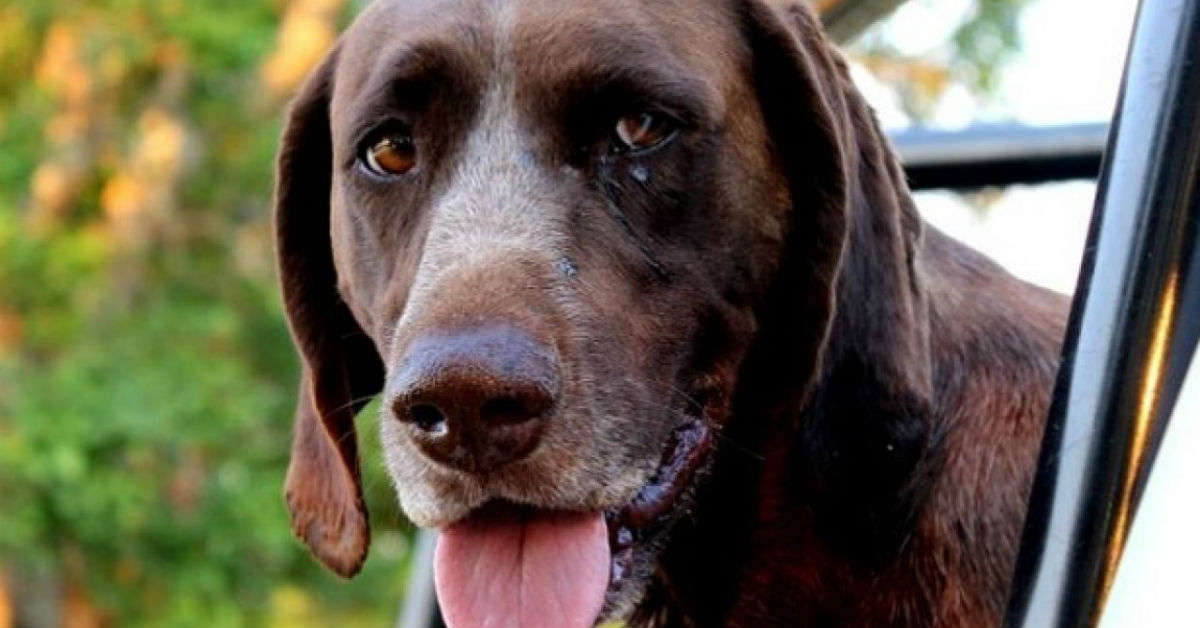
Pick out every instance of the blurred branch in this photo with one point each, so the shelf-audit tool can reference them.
(846, 19)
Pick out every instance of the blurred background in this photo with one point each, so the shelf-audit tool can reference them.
(146, 376)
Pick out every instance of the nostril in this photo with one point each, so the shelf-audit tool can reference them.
(427, 417)
(475, 398)
(505, 410)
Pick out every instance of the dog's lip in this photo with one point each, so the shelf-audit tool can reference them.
(685, 451)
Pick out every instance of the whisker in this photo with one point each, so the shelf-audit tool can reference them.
(354, 401)
(695, 404)
(721, 436)
(718, 433)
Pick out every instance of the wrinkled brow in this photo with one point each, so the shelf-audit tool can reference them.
(634, 86)
(405, 80)
(605, 66)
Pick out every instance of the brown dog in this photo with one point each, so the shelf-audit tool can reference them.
(659, 332)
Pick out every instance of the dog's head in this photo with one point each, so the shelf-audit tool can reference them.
(550, 234)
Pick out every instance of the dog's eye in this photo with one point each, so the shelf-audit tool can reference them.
(643, 130)
(389, 155)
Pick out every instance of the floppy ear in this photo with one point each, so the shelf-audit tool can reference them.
(851, 277)
(342, 369)
(849, 281)
(853, 217)
(805, 120)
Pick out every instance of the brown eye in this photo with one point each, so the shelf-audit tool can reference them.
(643, 130)
(391, 155)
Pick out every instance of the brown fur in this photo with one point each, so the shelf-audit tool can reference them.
(877, 388)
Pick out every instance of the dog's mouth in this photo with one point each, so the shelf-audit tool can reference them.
(515, 565)
(652, 510)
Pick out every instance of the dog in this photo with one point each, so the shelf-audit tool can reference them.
(659, 334)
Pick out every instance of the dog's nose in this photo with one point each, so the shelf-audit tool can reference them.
(476, 398)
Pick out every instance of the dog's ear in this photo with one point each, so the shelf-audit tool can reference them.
(855, 233)
(342, 369)
(881, 310)
(805, 120)
(853, 262)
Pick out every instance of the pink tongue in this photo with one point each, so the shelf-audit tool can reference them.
(523, 570)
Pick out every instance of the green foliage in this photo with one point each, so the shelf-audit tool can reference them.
(146, 392)
(986, 41)
(978, 49)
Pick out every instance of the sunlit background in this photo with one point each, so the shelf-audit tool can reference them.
(146, 377)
